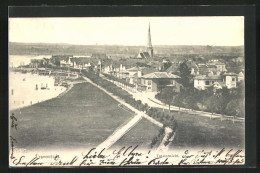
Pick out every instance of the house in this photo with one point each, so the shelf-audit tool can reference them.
(35, 63)
(122, 73)
(66, 62)
(214, 66)
(228, 80)
(238, 59)
(80, 63)
(204, 69)
(56, 59)
(134, 74)
(220, 65)
(156, 81)
(108, 69)
(202, 82)
(240, 76)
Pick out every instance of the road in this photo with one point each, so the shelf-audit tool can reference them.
(150, 100)
(123, 129)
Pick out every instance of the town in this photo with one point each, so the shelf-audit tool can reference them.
(114, 92)
(199, 81)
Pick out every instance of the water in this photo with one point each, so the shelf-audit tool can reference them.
(22, 86)
(17, 60)
(23, 91)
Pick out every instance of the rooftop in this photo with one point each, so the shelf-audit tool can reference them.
(216, 63)
(204, 77)
(230, 74)
(160, 75)
(241, 74)
(144, 54)
(207, 66)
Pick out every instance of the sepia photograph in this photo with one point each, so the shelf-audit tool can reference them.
(126, 91)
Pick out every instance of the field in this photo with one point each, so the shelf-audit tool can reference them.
(141, 134)
(201, 132)
(84, 117)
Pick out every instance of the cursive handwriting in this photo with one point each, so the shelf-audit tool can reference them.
(129, 156)
(21, 162)
(126, 151)
(59, 162)
(130, 161)
(12, 146)
(93, 155)
(158, 161)
(14, 120)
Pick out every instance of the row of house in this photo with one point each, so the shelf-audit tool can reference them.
(78, 62)
(147, 79)
(212, 67)
(212, 73)
(219, 81)
(38, 63)
(228, 80)
(150, 79)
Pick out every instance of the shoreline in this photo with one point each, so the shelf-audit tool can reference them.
(64, 91)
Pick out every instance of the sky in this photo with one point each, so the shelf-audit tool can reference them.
(215, 31)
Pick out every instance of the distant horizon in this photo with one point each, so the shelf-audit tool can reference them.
(124, 44)
(201, 30)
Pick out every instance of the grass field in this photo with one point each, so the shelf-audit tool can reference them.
(141, 134)
(84, 117)
(201, 132)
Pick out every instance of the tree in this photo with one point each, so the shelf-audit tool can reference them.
(190, 102)
(185, 74)
(232, 108)
(166, 65)
(167, 95)
(213, 103)
(241, 108)
(178, 100)
(202, 96)
(240, 90)
(236, 107)
(224, 98)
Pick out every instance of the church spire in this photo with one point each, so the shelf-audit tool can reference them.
(149, 40)
(149, 43)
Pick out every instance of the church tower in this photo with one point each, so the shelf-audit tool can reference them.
(149, 43)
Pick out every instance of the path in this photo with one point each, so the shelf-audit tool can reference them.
(162, 147)
(150, 100)
(126, 104)
(120, 131)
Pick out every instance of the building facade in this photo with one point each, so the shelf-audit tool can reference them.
(155, 82)
(228, 80)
